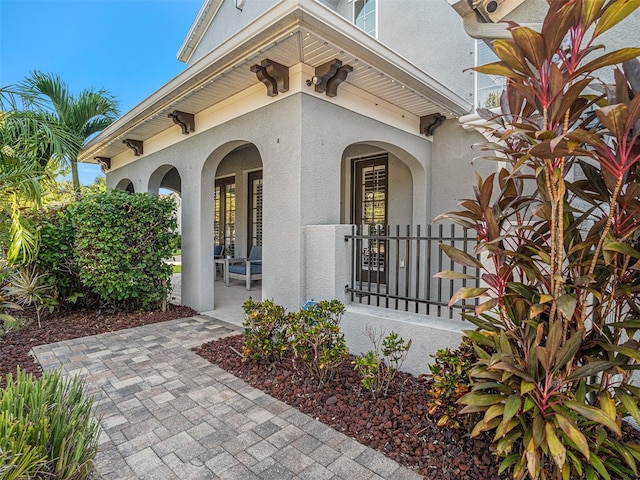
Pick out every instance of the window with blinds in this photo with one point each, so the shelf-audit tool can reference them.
(225, 214)
(255, 209)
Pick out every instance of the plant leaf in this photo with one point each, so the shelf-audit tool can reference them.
(466, 293)
(567, 304)
(630, 403)
(574, 434)
(460, 257)
(623, 248)
(592, 368)
(595, 415)
(453, 275)
(556, 448)
(568, 350)
(614, 14)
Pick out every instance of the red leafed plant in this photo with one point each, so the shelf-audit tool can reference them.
(562, 235)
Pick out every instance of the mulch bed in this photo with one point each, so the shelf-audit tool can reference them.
(15, 345)
(398, 425)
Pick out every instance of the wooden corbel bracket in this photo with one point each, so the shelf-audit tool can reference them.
(187, 121)
(274, 75)
(329, 76)
(105, 163)
(135, 145)
(429, 123)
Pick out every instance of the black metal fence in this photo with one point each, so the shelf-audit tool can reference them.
(394, 269)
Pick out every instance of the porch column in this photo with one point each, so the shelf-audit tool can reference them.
(327, 262)
(197, 242)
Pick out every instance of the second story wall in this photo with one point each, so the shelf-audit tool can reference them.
(429, 34)
(228, 21)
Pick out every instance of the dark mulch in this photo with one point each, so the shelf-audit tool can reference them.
(397, 425)
(15, 345)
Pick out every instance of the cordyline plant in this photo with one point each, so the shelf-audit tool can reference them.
(562, 237)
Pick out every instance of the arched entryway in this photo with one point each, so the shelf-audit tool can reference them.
(231, 206)
(383, 194)
(125, 185)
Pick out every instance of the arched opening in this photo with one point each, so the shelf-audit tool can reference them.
(383, 194)
(165, 178)
(232, 212)
(165, 181)
(381, 184)
(125, 185)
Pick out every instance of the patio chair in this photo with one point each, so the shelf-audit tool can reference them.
(247, 269)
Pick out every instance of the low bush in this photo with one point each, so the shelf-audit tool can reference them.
(264, 329)
(451, 380)
(316, 339)
(47, 429)
(378, 367)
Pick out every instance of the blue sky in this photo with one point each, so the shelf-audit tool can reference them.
(127, 47)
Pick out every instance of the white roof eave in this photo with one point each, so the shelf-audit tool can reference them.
(286, 15)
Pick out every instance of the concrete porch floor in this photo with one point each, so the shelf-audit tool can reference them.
(227, 300)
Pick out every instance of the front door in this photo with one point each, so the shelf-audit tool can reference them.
(369, 212)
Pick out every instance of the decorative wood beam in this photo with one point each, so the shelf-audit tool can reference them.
(105, 163)
(187, 121)
(429, 123)
(337, 79)
(274, 75)
(329, 76)
(135, 145)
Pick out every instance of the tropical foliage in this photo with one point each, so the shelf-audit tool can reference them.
(47, 428)
(561, 233)
(22, 136)
(82, 115)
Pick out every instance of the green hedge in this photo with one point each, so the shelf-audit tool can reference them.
(109, 248)
(121, 242)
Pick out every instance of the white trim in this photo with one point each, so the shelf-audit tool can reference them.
(285, 18)
(198, 28)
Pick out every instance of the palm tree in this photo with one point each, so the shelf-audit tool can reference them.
(84, 115)
(26, 137)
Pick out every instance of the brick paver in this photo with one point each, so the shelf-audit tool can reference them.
(167, 413)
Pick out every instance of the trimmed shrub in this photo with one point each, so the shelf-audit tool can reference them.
(264, 330)
(316, 339)
(121, 242)
(47, 429)
(56, 254)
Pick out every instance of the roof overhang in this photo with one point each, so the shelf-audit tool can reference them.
(291, 32)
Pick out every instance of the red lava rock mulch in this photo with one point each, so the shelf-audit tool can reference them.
(397, 425)
(15, 345)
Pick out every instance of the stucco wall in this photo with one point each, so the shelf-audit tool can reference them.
(301, 141)
(429, 33)
(454, 168)
(227, 22)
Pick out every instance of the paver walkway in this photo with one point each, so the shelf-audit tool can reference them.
(168, 413)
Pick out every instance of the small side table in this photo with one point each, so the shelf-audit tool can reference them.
(219, 264)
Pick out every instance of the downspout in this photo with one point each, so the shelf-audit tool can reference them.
(481, 30)
(491, 31)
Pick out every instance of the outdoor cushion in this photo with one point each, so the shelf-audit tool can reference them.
(240, 268)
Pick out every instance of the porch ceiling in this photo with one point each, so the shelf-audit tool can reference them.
(299, 35)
